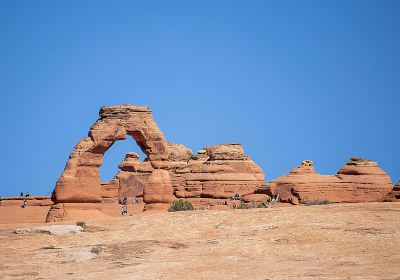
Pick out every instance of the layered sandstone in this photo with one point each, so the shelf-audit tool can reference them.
(129, 182)
(170, 170)
(217, 172)
(208, 178)
(359, 180)
(394, 194)
(80, 181)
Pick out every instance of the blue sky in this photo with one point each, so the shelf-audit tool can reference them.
(290, 80)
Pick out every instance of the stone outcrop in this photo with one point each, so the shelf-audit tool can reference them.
(170, 170)
(394, 194)
(80, 181)
(129, 182)
(208, 178)
(214, 174)
(359, 180)
(217, 172)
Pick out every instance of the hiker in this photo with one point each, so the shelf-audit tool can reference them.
(135, 201)
(24, 203)
(1, 199)
(124, 201)
(124, 210)
(21, 194)
(27, 194)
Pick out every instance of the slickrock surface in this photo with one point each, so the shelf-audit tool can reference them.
(30, 201)
(14, 214)
(337, 241)
(359, 180)
(50, 229)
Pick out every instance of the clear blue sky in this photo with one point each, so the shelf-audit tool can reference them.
(291, 80)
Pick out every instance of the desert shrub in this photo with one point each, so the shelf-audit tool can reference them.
(181, 205)
(251, 205)
(261, 205)
(243, 205)
(81, 224)
(316, 202)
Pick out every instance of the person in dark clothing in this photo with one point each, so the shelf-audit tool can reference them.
(21, 194)
(24, 203)
(124, 201)
(27, 194)
(124, 210)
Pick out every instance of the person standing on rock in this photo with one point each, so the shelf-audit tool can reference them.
(24, 203)
(21, 194)
(27, 194)
(124, 210)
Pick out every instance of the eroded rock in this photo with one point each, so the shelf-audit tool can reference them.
(359, 180)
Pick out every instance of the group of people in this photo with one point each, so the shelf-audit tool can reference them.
(124, 208)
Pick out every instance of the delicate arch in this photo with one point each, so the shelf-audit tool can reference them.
(80, 181)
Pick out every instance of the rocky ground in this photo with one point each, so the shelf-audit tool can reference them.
(338, 241)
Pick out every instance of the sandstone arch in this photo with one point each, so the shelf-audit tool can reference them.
(80, 181)
(170, 171)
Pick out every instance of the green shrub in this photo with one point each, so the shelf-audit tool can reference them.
(243, 205)
(181, 205)
(251, 205)
(81, 224)
(316, 202)
(261, 205)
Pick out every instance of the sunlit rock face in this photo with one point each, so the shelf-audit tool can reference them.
(359, 180)
(394, 194)
(209, 177)
(170, 170)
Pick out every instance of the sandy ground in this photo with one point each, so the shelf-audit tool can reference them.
(340, 241)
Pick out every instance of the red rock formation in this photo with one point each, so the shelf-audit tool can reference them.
(358, 180)
(394, 194)
(217, 172)
(214, 174)
(80, 181)
(130, 181)
(158, 188)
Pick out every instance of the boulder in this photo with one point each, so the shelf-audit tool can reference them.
(158, 188)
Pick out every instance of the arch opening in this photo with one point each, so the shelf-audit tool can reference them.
(116, 154)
